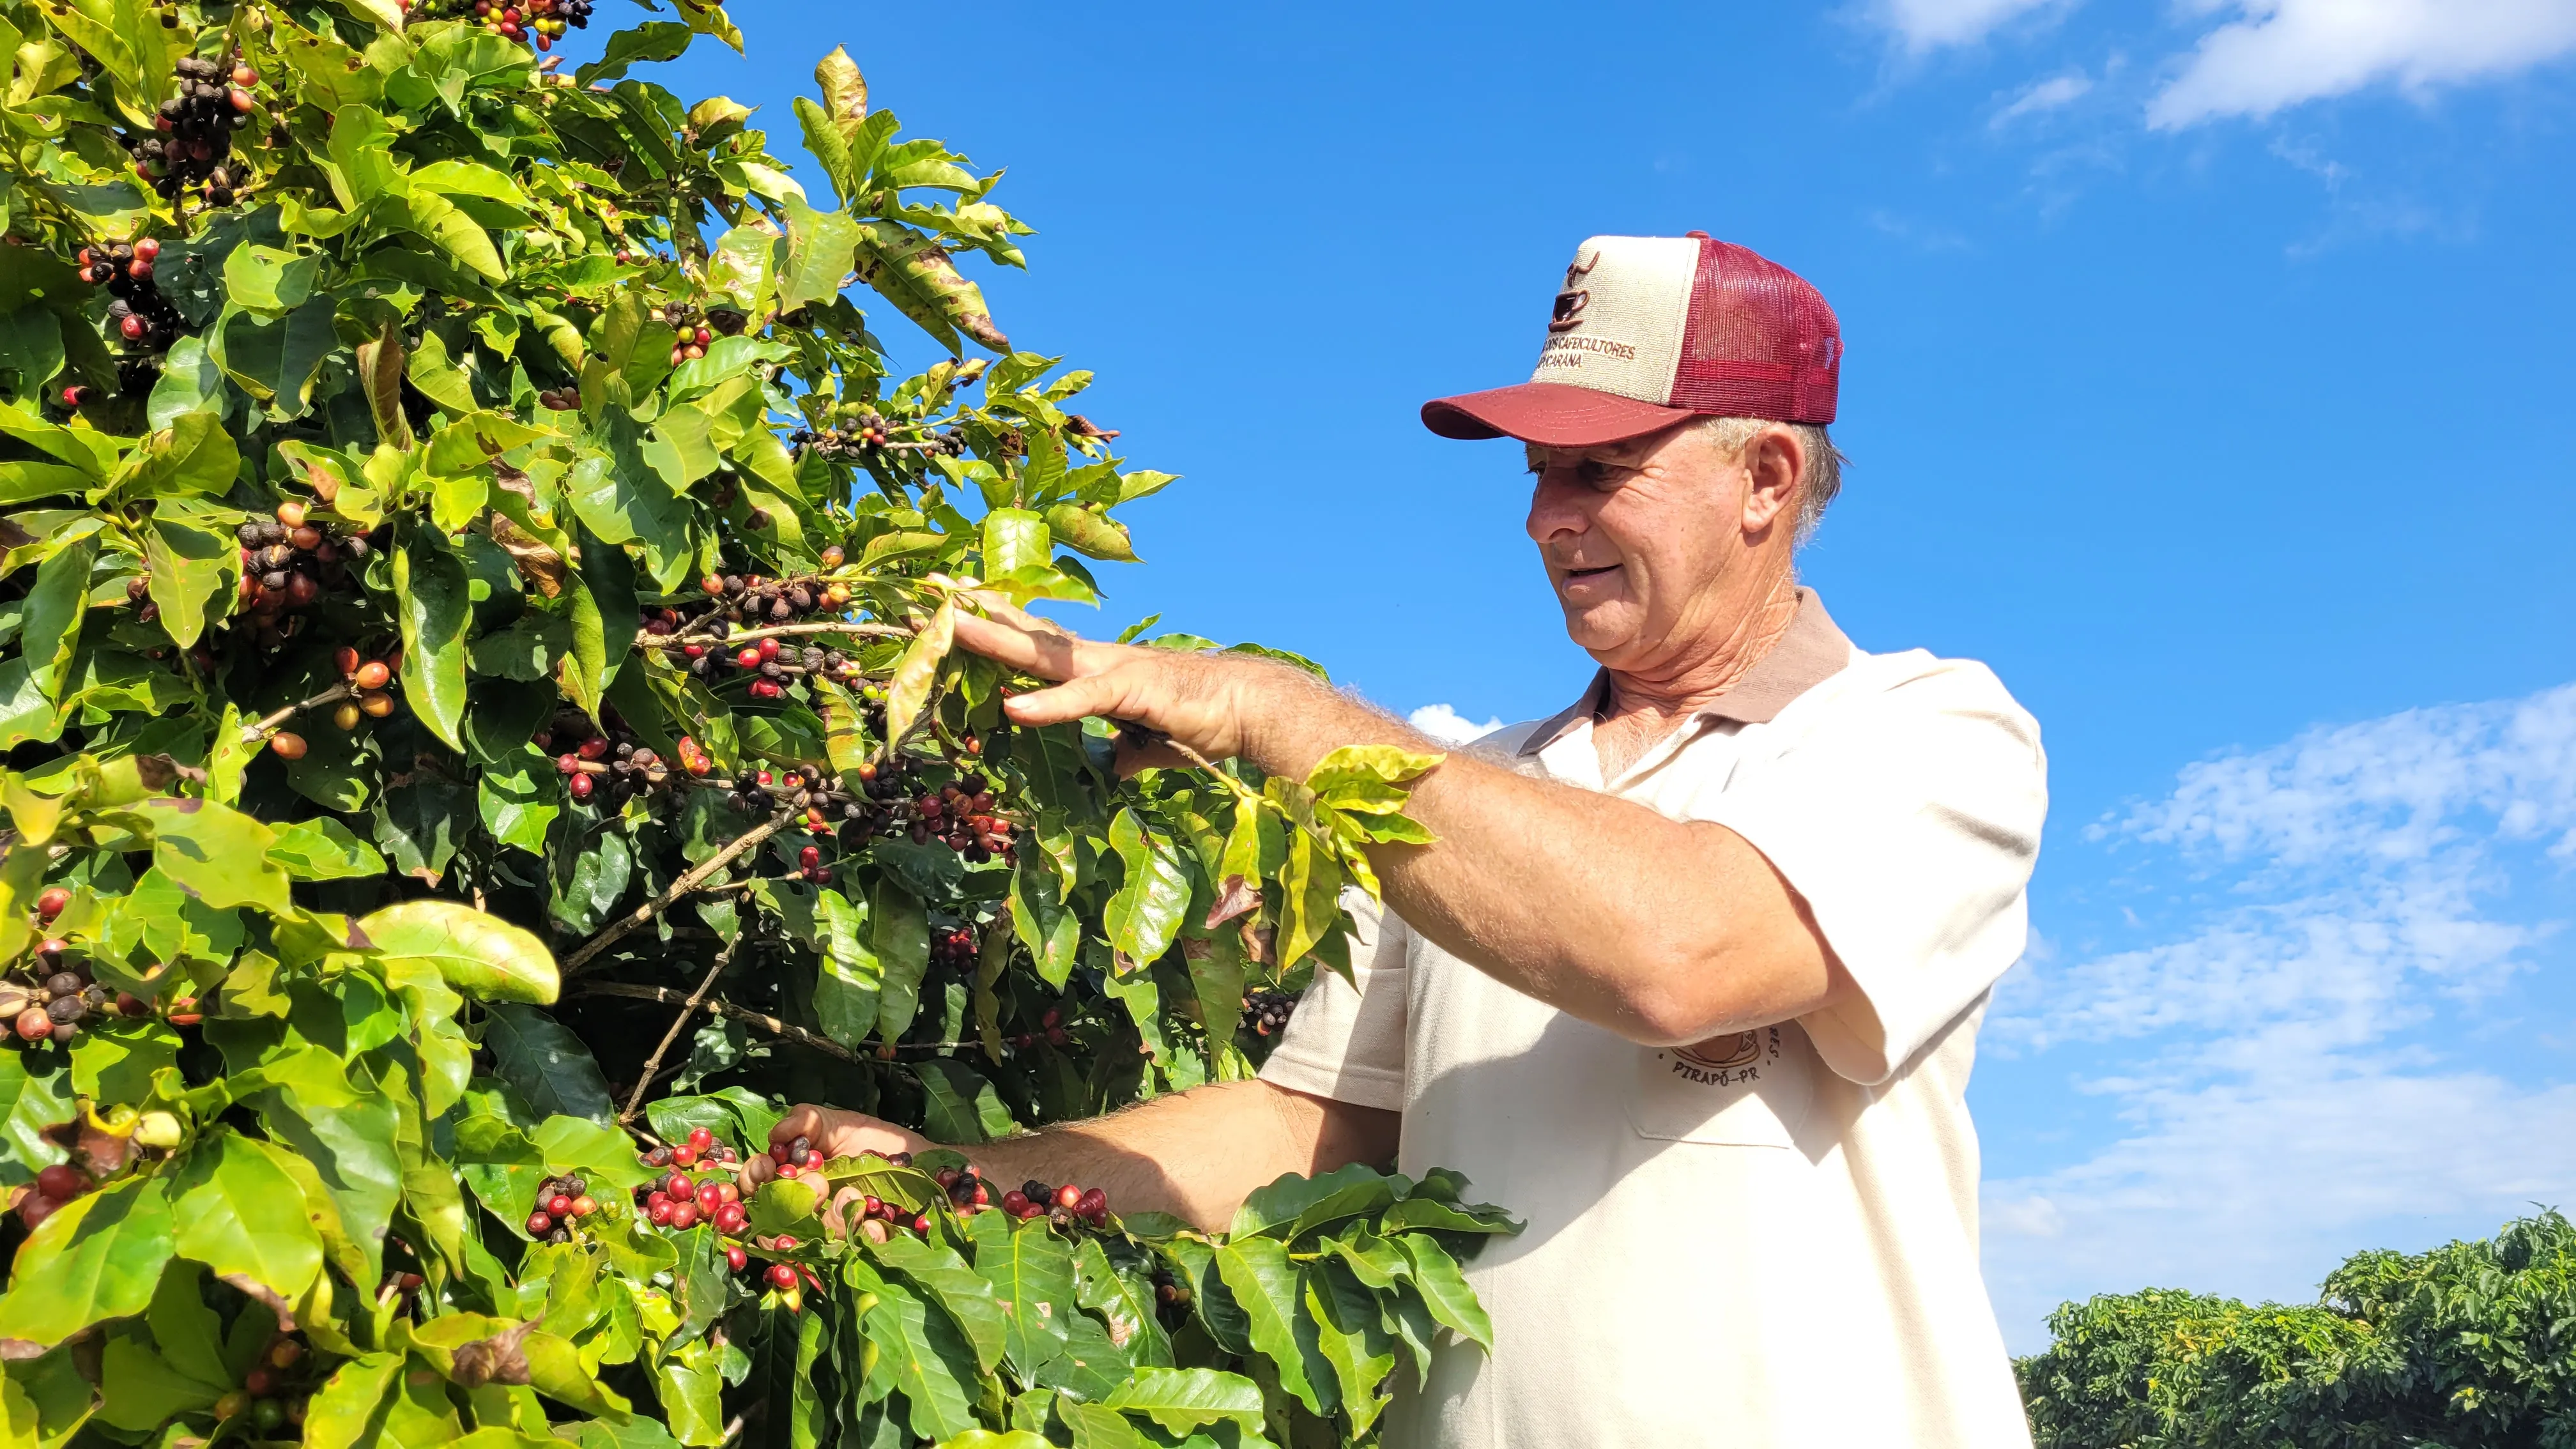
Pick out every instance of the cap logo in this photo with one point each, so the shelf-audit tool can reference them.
(1572, 300)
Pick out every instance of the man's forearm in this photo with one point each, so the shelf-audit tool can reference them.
(1195, 1154)
(1664, 931)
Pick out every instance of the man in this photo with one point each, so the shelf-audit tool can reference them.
(1692, 977)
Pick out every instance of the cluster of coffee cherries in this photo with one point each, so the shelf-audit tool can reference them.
(535, 22)
(960, 816)
(762, 791)
(601, 767)
(1063, 1206)
(369, 683)
(1267, 1011)
(289, 561)
(679, 1201)
(62, 996)
(561, 1202)
(276, 1391)
(1051, 1030)
(954, 947)
(192, 135)
(55, 1006)
(560, 399)
(868, 431)
(136, 309)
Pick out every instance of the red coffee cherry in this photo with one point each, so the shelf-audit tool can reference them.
(781, 1276)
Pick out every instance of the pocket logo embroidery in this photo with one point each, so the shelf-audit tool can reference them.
(1725, 1061)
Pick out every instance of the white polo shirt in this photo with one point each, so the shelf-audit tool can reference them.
(1767, 1240)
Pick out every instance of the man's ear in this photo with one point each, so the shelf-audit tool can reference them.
(1774, 460)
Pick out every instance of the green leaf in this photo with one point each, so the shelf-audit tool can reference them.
(654, 40)
(845, 91)
(443, 222)
(1039, 918)
(380, 375)
(921, 1355)
(1122, 1301)
(268, 279)
(819, 245)
(186, 1331)
(30, 1103)
(189, 567)
(190, 379)
(347, 1412)
(1426, 1212)
(1014, 538)
(1145, 915)
(914, 673)
(193, 455)
(913, 272)
(959, 1104)
(430, 595)
(690, 1386)
(549, 1066)
(277, 359)
(1351, 771)
(243, 1217)
(901, 934)
(1096, 1427)
(1445, 1290)
(324, 849)
(216, 853)
(1351, 1338)
(1032, 1276)
(1292, 1204)
(361, 151)
(1265, 1285)
(848, 975)
(1086, 532)
(347, 1135)
(474, 952)
(1183, 1399)
(139, 1390)
(96, 1258)
(115, 1061)
(963, 1294)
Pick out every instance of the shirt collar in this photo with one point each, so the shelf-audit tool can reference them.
(1812, 650)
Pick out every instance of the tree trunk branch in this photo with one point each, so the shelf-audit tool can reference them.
(642, 914)
(689, 1008)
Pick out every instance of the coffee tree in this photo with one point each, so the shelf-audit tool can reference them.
(482, 734)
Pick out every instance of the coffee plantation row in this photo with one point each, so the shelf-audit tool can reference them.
(483, 735)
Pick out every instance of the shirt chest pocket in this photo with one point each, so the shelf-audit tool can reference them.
(1744, 1089)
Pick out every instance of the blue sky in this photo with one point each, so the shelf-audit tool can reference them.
(2206, 375)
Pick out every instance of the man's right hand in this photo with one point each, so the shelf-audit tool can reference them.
(834, 1133)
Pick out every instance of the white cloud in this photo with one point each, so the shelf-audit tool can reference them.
(2309, 1054)
(2047, 95)
(1926, 25)
(2283, 52)
(1448, 726)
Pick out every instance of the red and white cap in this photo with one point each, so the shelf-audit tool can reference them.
(1649, 331)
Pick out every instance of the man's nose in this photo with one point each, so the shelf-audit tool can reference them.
(1555, 510)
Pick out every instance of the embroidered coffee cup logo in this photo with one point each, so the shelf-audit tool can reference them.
(1571, 301)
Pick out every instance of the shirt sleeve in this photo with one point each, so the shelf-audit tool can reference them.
(1346, 1038)
(1909, 822)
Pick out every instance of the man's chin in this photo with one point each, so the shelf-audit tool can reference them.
(1600, 629)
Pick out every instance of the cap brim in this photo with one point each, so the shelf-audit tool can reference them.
(1550, 414)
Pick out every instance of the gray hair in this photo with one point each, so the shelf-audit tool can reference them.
(1818, 482)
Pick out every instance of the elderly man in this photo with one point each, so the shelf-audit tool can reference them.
(1692, 977)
